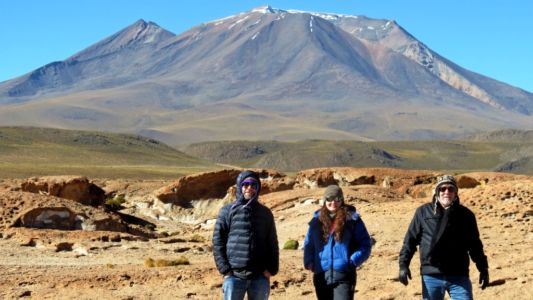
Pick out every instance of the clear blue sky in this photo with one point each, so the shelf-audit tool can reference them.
(493, 38)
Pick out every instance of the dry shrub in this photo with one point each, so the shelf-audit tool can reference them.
(150, 262)
(197, 239)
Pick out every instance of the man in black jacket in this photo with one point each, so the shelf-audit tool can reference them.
(447, 235)
(245, 243)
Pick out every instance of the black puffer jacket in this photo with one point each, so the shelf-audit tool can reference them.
(446, 238)
(245, 240)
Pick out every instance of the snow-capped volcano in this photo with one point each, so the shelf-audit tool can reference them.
(289, 74)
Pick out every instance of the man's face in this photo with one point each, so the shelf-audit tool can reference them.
(447, 194)
(249, 188)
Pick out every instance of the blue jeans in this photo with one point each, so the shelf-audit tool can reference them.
(235, 288)
(435, 286)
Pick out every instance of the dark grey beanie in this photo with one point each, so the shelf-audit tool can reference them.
(333, 191)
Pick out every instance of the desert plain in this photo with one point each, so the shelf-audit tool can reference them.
(41, 263)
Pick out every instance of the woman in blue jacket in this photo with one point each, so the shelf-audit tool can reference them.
(336, 243)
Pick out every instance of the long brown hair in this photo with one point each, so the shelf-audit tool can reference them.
(339, 220)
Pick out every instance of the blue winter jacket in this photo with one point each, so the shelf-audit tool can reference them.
(338, 259)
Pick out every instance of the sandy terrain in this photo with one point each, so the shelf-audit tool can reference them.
(106, 265)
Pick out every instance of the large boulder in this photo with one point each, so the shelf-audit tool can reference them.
(207, 185)
(31, 210)
(347, 176)
(76, 188)
(274, 181)
(413, 182)
(216, 185)
(466, 182)
(314, 178)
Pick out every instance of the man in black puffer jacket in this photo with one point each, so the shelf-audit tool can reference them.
(245, 243)
(447, 235)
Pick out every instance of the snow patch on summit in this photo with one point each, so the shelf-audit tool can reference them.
(238, 21)
(265, 10)
(328, 16)
(151, 37)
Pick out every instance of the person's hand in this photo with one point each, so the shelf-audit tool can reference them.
(267, 274)
(404, 275)
(484, 279)
(309, 267)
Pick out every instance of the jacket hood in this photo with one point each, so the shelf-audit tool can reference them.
(242, 176)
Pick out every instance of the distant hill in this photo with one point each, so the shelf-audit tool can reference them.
(290, 75)
(292, 156)
(505, 135)
(30, 151)
(521, 166)
(432, 155)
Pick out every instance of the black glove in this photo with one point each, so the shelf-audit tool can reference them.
(484, 279)
(404, 274)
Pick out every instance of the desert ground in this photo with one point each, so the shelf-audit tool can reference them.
(81, 264)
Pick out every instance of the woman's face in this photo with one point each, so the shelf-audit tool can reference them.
(332, 204)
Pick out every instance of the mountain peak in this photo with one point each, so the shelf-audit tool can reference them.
(138, 33)
(140, 22)
(267, 9)
(145, 32)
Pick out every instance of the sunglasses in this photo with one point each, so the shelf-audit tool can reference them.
(249, 184)
(449, 188)
(333, 199)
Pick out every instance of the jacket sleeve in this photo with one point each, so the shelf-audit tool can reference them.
(365, 244)
(411, 240)
(476, 247)
(273, 266)
(220, 239)
(309, 249)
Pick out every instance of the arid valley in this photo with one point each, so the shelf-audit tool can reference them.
(164, 224)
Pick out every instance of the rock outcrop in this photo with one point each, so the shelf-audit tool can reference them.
(216, 185)
(76, 188)
(21, 209)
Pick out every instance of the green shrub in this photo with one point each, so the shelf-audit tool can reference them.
(114, 203)
(149, 226)
(291, 245)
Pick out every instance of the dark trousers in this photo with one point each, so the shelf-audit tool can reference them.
(343, 290)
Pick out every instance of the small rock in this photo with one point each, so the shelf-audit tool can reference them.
(125, 277)
(25, 294)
